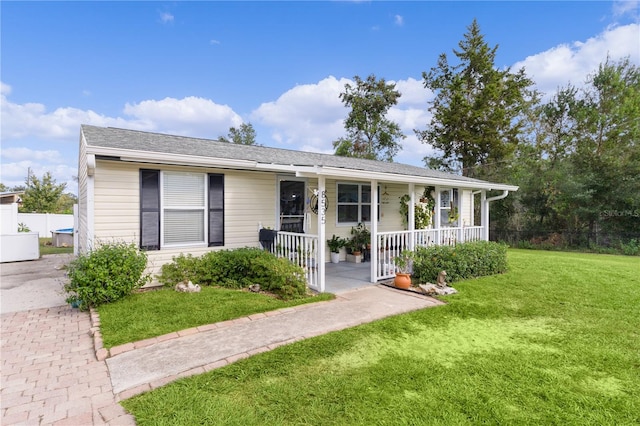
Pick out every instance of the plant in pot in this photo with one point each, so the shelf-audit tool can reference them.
(360, 238)
(335, 244)
(404, 263)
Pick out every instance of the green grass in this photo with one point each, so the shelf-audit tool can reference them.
(47, 248)
(556, 340)
(154, 313)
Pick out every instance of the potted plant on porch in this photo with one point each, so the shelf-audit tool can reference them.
(404, 263)
(335, 244)
(360, 238)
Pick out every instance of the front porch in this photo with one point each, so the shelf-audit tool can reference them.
(345, 276)
(433, 210)
(305, 251)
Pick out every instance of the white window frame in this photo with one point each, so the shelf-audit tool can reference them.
(359, 203)
(453, 202)
(164, 207)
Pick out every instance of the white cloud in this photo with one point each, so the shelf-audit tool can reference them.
(190, 116)
(413, 93)
(14, 173)
(625, 7)
(398, 20)
(166, 18)
(309, 115)
(571, 63)
(5, 89)
(212, 41)
(32, 119)
(20, 154)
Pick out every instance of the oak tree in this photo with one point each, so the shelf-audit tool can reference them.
(369, 133)
(244, 135)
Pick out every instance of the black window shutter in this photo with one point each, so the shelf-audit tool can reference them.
(149, 209)
(216, 210)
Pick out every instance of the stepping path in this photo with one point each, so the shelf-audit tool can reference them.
(201, 349)
(50, 374)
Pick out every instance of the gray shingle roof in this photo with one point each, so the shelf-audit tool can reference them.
(108, 137)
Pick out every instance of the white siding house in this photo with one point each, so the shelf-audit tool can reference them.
(172, 194)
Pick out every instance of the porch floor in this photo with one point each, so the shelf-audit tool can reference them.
(345, 276)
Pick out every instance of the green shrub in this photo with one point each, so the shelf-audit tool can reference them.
(463, 261)
(105, 274)
(238, 268)
(632, 248)
(183, 268)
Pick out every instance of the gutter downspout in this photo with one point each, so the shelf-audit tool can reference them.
(485, 211)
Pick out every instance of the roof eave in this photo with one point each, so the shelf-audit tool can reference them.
(130, 155)
(173, 159)
(336, 172)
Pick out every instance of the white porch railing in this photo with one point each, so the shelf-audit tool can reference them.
(391, 244)
(302, 250)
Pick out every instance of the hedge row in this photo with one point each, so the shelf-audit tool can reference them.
(238, 268)
(463, 261)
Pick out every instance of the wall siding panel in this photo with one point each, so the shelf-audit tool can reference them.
(250, 199)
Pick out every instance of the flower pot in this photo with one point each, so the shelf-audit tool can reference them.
(335, 257)
(402, 280)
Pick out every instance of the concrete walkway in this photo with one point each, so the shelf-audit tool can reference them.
(51, 374)
(206, 348)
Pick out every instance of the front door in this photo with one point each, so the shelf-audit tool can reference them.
(292, 202)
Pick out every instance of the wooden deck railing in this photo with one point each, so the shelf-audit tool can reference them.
(302, 250)
(391, 244)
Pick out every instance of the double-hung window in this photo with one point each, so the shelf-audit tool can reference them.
(354, 203)
(181, 209)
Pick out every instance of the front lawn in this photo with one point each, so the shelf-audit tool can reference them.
(556, 340)
(154, 313)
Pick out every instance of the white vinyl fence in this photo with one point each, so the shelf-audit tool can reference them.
(44, 223)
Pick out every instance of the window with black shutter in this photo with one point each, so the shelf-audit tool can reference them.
(172, 212)
(150, 209)
(216, 210)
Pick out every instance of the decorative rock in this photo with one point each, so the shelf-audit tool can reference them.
(436, 290)
(188, 287)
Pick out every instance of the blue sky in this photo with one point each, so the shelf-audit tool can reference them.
(198, 68)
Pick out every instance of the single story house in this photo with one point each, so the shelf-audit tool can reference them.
(172, 194)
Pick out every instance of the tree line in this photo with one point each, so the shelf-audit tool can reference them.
(575, 157)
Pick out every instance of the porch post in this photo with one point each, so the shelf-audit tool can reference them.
(373, 254)
(484, 215)
(437, 216)
(321, 232)
(459, 207)
(411, 222)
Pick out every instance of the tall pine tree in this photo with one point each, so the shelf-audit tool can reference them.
(477, 109)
